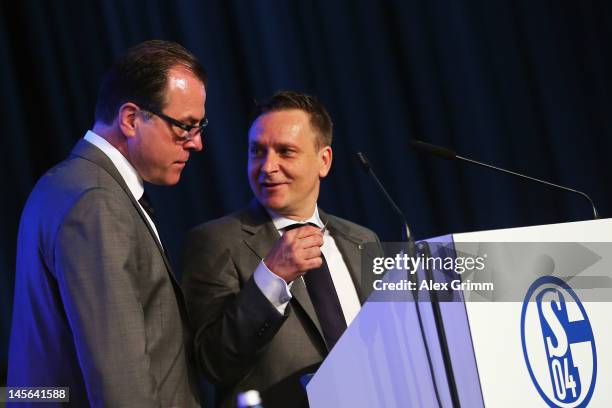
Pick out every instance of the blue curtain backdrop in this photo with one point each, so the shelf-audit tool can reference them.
(523, 84)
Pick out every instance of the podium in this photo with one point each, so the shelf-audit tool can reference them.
(542, 338)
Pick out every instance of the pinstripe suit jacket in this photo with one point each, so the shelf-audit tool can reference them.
(96, 305)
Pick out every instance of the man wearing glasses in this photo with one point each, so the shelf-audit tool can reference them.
(97, 308)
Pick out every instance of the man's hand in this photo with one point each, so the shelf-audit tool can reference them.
(296, 252)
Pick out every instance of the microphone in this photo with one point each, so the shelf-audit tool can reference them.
(445, 153)
(406, 235)
(435, 303)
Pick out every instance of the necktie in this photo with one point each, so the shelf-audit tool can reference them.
(324, 298)
(146, 204)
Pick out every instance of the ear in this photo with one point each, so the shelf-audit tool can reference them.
(325, 159)
(127, 119)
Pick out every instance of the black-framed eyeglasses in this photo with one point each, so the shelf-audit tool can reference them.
(191, 130)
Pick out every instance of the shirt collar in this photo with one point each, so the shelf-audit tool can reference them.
(125, 168)
(281, 222)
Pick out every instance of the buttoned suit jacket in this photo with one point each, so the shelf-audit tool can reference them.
(241, 340)
(96, 306)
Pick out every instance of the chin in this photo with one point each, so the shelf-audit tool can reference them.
(173, 181)
(172, 177)
(169, 180)
(273, 204)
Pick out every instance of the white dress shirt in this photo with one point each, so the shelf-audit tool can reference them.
(125, 169)
(276, 290)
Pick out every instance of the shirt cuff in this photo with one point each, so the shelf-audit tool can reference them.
(274, 288)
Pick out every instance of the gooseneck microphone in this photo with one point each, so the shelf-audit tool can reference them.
(406, 235)
(412, 252)
(445, 153)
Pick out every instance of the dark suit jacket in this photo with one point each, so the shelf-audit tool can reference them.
(242, 342)
(96, 306)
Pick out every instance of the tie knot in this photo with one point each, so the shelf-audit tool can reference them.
(300, 225)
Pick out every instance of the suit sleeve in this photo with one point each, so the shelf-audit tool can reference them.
(233, 322)
(94, 264)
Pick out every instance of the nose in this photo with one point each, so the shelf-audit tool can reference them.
(195, 144)
(270, 163)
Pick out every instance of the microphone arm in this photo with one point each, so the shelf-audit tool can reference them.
(435, 303)
(406, 235)
(451, 155)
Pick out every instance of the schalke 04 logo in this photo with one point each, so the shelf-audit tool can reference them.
(558, 344)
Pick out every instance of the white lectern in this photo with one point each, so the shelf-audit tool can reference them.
(542, 338)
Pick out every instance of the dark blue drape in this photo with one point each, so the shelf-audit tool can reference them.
(519, 83)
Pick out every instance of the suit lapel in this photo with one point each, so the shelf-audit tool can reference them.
(261, 230)
(263, 236)
(89, 152)
(300, 294)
